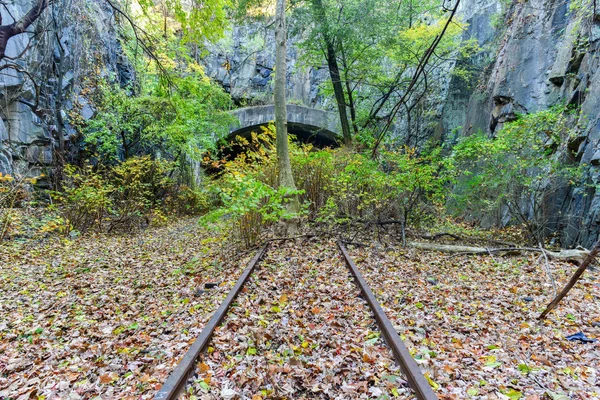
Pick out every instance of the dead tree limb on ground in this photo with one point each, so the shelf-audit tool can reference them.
(547, 267)
(576, 276)
(572, 255)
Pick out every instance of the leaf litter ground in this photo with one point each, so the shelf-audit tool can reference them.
(471, 322)
(105, 316)
(299, 330)
(109, 317)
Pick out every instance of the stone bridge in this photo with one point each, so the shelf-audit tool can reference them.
(307, 124)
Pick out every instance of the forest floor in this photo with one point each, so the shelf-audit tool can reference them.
(471, 322)
(106, 316)
(110, 316)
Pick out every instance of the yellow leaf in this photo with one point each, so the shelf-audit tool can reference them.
(203, 367)
(432, 383)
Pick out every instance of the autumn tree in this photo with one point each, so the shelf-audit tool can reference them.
(286, 179)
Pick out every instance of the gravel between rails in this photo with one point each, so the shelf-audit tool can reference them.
(298, 330)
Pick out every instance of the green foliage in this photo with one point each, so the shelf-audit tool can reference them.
(249, 205)
(197, 21)
(125, 125)
(13, 192)
(377, 46)
(140, 184)
(313, 172)
(172, 110)
(517, 171)
(402, 186)
(126, 196)
(247, 199)
(188, 120)
(334, 186)
(85, 199)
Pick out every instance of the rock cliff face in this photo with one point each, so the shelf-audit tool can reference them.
(72, 41)
(546, 53)
(243, 64)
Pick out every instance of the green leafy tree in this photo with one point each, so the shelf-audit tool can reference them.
(372, 48)
(187, 120)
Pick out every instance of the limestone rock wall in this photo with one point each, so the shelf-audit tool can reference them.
(243, 64)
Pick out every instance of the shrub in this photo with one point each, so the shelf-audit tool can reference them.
(85, 199)
(185, 200)
(248, 206)
(403, 186)
(515, 175)
(11, 194)
(313, 171)
(334, 186)
(141, 184)
(135, 193)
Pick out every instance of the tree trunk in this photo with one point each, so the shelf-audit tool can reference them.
(19, 27)
(334, 70)
(286, 179)
(351, 103)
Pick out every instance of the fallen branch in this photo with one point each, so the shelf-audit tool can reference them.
(547, 267)
(353, 243)
(467, 239)
(584, 265)
(442, 234)
(284, 239)
(573, 255)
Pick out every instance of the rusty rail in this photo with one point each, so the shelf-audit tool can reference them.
(414, 376)
(178, 378)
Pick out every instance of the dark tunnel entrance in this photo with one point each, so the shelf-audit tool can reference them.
(320, 138)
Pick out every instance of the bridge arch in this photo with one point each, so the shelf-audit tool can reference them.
(307, 124)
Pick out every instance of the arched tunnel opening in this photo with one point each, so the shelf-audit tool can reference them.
(230, 149)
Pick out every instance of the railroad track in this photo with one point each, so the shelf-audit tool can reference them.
(178, 379)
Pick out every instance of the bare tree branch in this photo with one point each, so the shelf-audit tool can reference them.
(20, 26)
(420, 70)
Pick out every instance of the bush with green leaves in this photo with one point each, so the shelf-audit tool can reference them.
(313, 171)
(183, 120)
(14, 193)
(515, 175)
(334, 186)
(129, 195)
(85, 200)
(402, 186)
(247, 205)
(140, 185)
